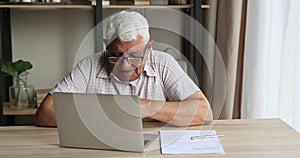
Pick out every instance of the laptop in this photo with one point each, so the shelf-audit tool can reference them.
(100, 121)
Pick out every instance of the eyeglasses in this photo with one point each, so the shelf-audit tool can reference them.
(132, 60)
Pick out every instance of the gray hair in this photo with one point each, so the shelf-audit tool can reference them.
(126, 25)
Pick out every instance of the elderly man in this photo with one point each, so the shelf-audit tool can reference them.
(129, 66)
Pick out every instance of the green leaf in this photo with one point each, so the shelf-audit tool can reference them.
(15, 68)
(21, 66)
(8, 68)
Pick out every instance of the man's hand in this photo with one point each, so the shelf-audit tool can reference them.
(146, 107)
(194, 110)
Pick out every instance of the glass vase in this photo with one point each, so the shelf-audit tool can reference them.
(21, 95)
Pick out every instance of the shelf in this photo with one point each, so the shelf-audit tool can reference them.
(39, 5)
(11, 111)
(25, 111)
(146, 6)
(45, 6)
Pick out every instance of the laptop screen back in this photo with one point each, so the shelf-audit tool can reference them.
(99, 121)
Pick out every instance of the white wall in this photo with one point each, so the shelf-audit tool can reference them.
(50, 39)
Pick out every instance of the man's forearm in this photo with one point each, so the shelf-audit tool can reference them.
(186, 113)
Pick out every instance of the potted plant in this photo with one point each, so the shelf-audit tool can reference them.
(21, 95)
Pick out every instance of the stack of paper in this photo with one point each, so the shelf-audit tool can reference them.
(190, 142)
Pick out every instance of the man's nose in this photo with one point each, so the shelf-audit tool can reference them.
(124, 65)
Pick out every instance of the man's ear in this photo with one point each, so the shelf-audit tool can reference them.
(149, 46)
(150, 43)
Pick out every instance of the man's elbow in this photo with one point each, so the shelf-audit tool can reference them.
(38, 121)
(44, 121)
(203, 117)
(45, 114)
(202, 120)
(208, 118)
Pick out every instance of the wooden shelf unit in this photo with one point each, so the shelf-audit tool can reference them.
(45, 6)
(25, 111)
(85, 6)
(12, 111)
(4, 7)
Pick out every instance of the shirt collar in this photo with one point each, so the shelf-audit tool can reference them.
(103, 74)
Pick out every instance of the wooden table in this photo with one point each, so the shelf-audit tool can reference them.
(242, 139)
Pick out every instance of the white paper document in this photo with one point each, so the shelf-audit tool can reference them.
(190, 142)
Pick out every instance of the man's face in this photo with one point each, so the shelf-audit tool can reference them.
(128, 58)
